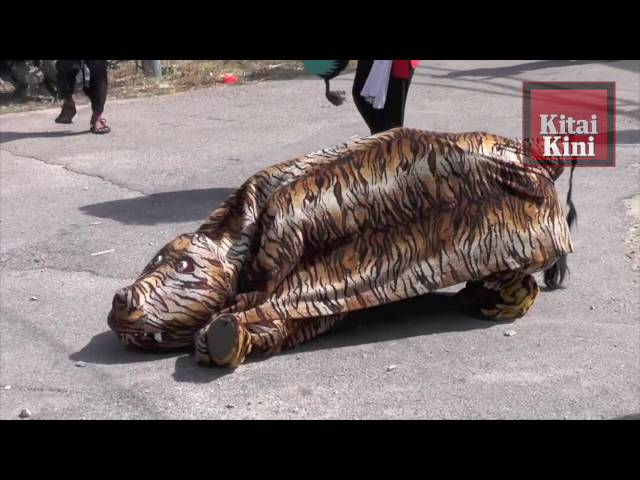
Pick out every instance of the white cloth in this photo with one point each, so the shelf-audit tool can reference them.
(375, 88)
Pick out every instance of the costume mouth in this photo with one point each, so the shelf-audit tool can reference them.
(144, 338)
(158, 340)
(154, 341)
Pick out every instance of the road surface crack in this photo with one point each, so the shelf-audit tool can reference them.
(77, 172)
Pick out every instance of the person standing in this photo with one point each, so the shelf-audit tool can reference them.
(96, 91)
(380, 90)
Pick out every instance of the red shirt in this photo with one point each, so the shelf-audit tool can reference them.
(400, 68)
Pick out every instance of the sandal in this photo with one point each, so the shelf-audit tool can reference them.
(100, 127)
(67, 113)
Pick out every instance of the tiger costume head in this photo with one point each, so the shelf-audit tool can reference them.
(176, 294)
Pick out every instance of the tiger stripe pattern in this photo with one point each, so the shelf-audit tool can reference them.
(381, 219)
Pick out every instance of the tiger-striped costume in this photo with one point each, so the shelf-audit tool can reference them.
(382, 219)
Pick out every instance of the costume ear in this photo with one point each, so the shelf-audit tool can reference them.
(211, 245)
(226, 269)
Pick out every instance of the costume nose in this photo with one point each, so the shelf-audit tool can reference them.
(125, 299)
(120, 299)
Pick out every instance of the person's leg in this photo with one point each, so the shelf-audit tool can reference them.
(392, 115)
(370, 115)
(98, 94)
(67, 70)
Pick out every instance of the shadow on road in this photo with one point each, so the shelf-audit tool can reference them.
(628, 137)
(6, 137)
(159, 208)
(635, 416)
(427, 315)
(517, 69)
(489, 88)
(188, 371)
(106, 349)
(629, 65)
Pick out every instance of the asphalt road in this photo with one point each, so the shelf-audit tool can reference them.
(170, 160)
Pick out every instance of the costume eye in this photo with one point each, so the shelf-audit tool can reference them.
(185, 266)
(157, 260)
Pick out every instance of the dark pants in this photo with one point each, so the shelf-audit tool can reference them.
(97, 90)
(392, 115)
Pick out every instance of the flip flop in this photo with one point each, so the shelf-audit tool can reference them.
(100, 127)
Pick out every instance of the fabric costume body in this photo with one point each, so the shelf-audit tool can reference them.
(382, 219)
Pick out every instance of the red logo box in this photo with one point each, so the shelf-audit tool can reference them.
(566, 122)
